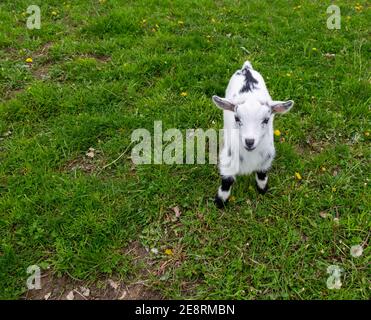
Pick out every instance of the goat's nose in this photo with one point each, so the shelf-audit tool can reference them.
(249, 142)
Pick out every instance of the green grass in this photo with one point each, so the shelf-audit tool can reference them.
(102, 70)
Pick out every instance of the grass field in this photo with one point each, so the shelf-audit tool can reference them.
(101, 69)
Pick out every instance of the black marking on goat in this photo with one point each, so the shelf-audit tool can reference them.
(250, 81)
(220, 204)
(262, 191)
(227, 183)
(261, 175)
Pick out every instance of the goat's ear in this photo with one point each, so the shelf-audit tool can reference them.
(224, 104)
(281, 106)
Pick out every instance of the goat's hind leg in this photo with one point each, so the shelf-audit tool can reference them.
(261, 178)
(224, 191)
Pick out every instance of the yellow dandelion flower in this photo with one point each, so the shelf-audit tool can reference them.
(298, 176)
(277, 133)
(184, 94)
(169, 252)
(29, 60)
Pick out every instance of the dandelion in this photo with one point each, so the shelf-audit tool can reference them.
(29, 60)
(356, 251)
(169, 252)
(154, 250)
(277, 133)
(298, 176)
(184, 94)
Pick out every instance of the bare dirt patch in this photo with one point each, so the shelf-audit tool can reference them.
(99, 58)
(66, 288)
(90, 163)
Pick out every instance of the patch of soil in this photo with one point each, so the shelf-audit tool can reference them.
(100, 58)
(66, 288)
(85, 163)
(312, 146)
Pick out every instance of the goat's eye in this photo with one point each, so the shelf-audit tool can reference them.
(265, 121)
(237, 119)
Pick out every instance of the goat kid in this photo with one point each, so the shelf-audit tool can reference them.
(248, 130)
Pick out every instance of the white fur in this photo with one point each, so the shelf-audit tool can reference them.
(251, 108)
(249, 104)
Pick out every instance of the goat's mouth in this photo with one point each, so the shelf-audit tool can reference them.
(250, 148)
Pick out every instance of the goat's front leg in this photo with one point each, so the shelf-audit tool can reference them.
(261, 178)
(224, 191)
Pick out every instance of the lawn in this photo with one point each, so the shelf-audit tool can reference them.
(101, 69)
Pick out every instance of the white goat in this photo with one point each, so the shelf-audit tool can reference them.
(248, 130)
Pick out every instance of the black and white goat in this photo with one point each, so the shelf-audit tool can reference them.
(248, 130)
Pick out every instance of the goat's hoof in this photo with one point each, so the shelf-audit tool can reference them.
(260, 190)
(220, 204)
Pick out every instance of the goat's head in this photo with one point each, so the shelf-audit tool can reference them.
(253, 118)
